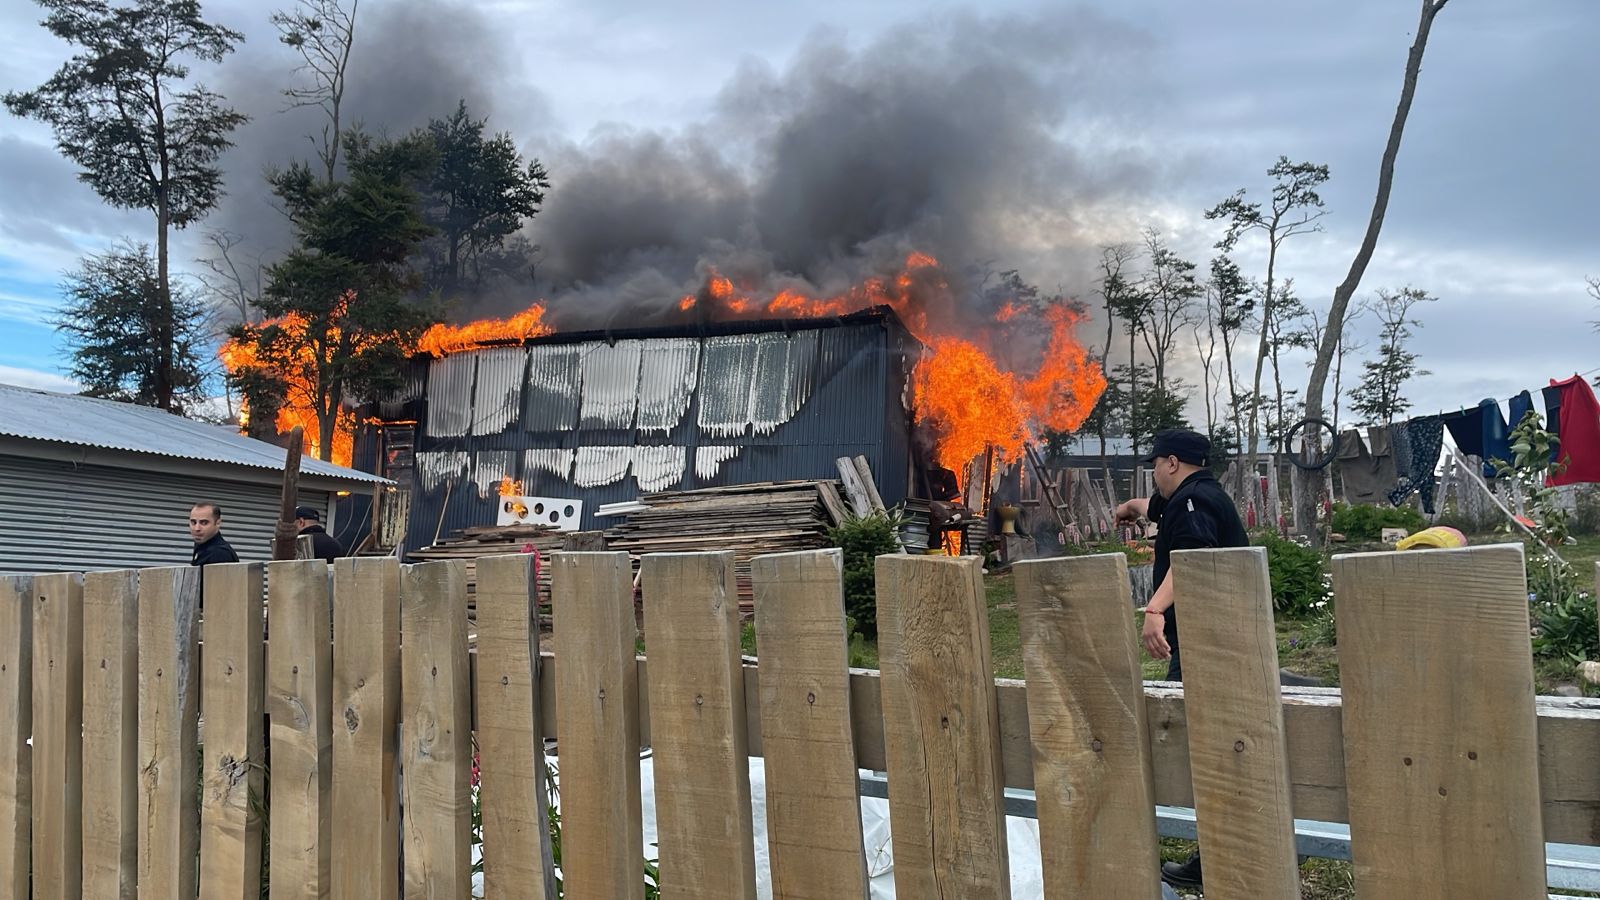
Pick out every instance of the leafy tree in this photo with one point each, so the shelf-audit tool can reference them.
(1158, 407)
(479, 194)
(341, 319)
(112, 318)
(863, 539)
(120, 112)
(1379, 396)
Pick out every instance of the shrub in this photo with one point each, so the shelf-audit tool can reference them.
(1296, 573)
(1366, 523)
(863, 539)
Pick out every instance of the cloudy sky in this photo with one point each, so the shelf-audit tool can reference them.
(1023, 135)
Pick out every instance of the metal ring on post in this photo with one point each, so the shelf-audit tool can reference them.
(1322, 462)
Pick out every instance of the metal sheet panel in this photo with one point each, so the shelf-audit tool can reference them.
(596, 466)
(709, 458)
(785, 369)
(450, 394)
(611, 384)
(657, 468)
(727, 368)
(555, 376)
(668, 373)
(489, 467)
(553, 461)
(59, 517)
(498, 392)
(436, 467)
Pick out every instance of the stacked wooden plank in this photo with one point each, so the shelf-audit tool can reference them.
(494, 540)
(749, 519)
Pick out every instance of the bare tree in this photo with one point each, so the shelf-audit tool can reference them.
(233, 290)
(1205, 346)
(1594, 291)
(322, 32)
(1231, 294)
(1170, 291)
(1306, 510)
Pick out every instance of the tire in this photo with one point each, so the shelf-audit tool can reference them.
(1319, 464)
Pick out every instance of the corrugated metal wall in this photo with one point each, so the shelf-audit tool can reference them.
(56, 516)
(603, 422)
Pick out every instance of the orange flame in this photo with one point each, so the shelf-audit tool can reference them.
(510, 487)
(299, 405)
(442, 340)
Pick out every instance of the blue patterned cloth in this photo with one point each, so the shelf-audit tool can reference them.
(1424, 439)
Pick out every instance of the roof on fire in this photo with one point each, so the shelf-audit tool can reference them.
(74, 420)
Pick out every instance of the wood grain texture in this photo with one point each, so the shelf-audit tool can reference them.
(1086, 713)
(16, 728)
(111, 734)
(435, 731)
(517, 862)
(58, 736)
(232, 681)
(169, 713)
(813, 792)
(1441, 741)
(597, 703)
(698, 727)
(299, 722)
(366, 716)
(1238, 755)
(941, 730)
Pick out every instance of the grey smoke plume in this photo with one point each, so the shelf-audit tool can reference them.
(962, 137)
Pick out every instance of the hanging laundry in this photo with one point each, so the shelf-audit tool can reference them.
(1521, 405)
(1425, 439)
(1367, 475)
(1552, 418)
(1466, 430)
(1496, 437)
(1579, 450)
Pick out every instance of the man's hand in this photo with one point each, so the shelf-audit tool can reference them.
(1132, 510)
(1155, 642)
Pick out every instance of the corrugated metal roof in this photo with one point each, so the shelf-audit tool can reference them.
(601, 465)
(657, 468)
(709, 458)
(499, 389)
(667, 376)
(611, 384)
(726, 371)
(555, 461)
(784, 369)
(91, 422)
(552, 394)
(450, 394)
(434, 467)
(489, 466)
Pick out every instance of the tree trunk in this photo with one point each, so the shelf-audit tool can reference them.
(1358, 267)
(164, 349)
(1261, 360)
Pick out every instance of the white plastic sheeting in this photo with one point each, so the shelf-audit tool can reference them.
(499, 389)
(596, 466)
(435, 467)
(611, 384)
(557, 462)
(668, 371)
(708, 460)
(657, 468)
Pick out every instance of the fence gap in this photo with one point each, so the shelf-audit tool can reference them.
(58, 736)
(941, 730)
(299, 722)
(16, 727)
(366, 710)
(597, 710)
(1237, 753)
(435, 730)
(517, 862)
(698, 727)
(111, 734)
(1440, 736)
(813, 791)
(1086, 715)
(231, 684)
(169, 711)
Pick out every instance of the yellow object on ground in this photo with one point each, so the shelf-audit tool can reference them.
(1437, 537)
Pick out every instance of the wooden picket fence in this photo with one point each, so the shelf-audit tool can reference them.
(1449, 770)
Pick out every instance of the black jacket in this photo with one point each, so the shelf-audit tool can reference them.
(1199, 515)
(215, 550)
(323, 545)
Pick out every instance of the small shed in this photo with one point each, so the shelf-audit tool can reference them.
(97, 484)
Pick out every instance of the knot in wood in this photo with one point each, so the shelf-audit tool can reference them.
(1238, 746)
(1096, 745)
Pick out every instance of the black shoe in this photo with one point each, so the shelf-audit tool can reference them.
(1185, 874)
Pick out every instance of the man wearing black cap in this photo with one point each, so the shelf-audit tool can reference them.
(323, 544)
(1193, 513)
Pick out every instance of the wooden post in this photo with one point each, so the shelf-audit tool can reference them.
(586, 541)
(16, 728)
(232, 680)
(283, 536)
(698, 727)
(813, 797)
(517, 862)
(436, 730)
(366, 709)
(1237, 752)
(850, 476)
(300, 718)
(1440, 737)
(58, 736)
(941, 730)
(169, 711)
(597, 706)
(111, 734)
(1086, 715)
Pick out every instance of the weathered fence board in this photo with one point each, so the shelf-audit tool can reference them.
(435, 730)
(58, 736)
(941, 730)
(1440, 735)
(517, 861)
(597, 703)
(169, 711)
(299, 721)
(366, 713)
(813, 791)
(1237, 752)
(231, 682)
(1091, 763)
(16, 728)
(111, 734)
(698, 727)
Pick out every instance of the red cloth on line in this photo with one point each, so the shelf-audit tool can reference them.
(1579, 433)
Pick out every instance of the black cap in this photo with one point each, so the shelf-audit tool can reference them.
(306, 512)
(1188, 446)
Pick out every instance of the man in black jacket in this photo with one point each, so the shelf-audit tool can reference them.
(205, 528)
(323, 545)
